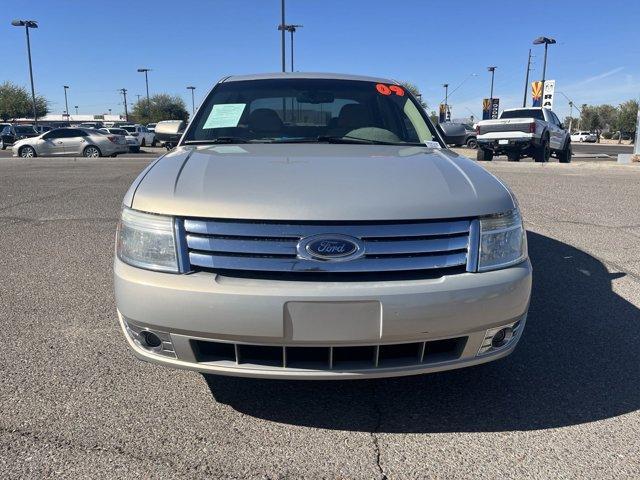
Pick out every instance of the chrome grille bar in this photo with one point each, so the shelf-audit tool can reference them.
(275, 264)
(281, 230)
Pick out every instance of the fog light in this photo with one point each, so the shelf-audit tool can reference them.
(149, 339)
(498, 337)
(152, 341)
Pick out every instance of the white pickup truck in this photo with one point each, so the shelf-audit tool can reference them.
(535, 132)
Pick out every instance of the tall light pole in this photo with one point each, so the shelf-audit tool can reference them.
(291, 29)
(446, 100)
(493, 72)
(76, 107)
(123, 91)
(526, 82)
(281, 27)
(66, 104)
(193, 102)
(146, 81)
(27, 24)
(547, 41)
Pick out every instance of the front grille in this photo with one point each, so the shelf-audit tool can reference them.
(413, 249)
(362, 357)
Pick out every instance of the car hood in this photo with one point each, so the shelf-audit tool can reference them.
(317, 182)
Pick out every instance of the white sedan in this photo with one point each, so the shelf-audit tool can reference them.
(584, 137)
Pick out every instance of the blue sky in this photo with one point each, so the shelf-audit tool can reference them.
(96, 47)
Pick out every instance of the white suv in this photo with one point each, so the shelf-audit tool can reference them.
(143, 135)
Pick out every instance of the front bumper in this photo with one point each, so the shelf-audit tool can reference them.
(204, 307)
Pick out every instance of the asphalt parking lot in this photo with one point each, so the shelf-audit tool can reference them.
(76, 404)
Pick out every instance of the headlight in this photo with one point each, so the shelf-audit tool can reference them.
(147, 241)
(502, 241)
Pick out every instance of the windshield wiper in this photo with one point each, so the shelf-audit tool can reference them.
(349, 139)
(217, 140)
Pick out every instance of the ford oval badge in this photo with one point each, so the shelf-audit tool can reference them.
(330, 248)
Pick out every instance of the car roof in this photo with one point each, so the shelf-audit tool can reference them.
(306, 75)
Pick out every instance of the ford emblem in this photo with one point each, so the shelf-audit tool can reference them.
(330, 248)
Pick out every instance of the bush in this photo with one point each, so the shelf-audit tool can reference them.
(607, 135)
(616, 136)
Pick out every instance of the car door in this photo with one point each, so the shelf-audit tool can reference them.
(555, 132)
(51, 143)
(73, 141)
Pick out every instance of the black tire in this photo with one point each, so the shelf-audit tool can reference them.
(513, 156)
(91, 151)
(143, 143)
(564, 156)
(27, 152)
(135, 150)
(472, 143)
(484, 155)
(543, 152)
(154, 142)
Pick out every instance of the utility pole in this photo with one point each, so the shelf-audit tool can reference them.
(526, 82)
(124, 95)
(27, 24)
(66, 104)
(493, 72)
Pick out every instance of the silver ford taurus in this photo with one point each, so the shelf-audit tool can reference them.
(314, 226)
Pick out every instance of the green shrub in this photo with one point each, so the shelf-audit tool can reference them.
(616, 136)
(607, 135)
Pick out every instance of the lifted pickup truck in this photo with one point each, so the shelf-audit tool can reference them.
(535, 132)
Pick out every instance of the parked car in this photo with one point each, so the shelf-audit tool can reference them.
(42, 128)
(87, 142)
(535, 132)
(168, 132)
(95, 125)
(142, 134)
(132, 141)
(151, 127)
(10, 134)
(458, 134)
(584, 137)
(346, 242)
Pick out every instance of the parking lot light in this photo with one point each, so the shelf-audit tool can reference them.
(546, 41)
(27, 24)
(66, 104)
(493, 72)
(146, 80)
(193, 102)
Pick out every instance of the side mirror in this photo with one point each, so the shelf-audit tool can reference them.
(170, 131)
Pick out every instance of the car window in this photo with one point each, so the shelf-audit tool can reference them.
(130, 129)
(23, 130)
(524, 113)
(56, 133)
(308, 110)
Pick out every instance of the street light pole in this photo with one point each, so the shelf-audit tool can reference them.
(547, 41)
(193, 102)
(76, 107)
(446, 100)
(146, 81)
(66, 104)
(282, 39)
(493, 72)
(27, 24)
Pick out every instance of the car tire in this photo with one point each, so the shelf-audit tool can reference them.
(91, 152)
(27, 152)
(154, 142)
(564, 156)
(513, 157)
(484, 155)
(472, 143)
(542, 153)
(143, 143)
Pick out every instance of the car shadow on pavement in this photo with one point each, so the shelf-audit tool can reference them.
(578, 362)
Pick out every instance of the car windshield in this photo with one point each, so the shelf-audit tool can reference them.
(524, 113)
(24, 130)
(129, 129)
(310, 110)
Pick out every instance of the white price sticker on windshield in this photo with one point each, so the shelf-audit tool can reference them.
(432, 144)
(225, 115)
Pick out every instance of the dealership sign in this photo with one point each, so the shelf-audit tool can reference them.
(490, 108)
(547, 94)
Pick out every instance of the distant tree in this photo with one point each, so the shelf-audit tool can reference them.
(160, 107)
(435, 119)
(626, 121)
(415, 91)
(16, 102)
